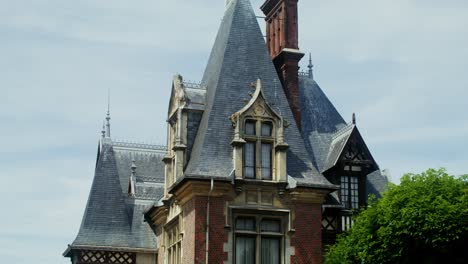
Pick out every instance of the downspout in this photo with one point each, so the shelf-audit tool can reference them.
(208, 222)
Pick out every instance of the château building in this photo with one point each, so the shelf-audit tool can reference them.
(259, 167)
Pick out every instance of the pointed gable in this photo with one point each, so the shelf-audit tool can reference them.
(349, 146)
(239, 57)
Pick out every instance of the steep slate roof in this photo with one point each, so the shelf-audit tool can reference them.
(239, 57)
(326, 133)
(112, 219)
(320, 120)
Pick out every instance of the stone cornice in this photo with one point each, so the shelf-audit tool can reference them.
(306, 195)
(192, 188)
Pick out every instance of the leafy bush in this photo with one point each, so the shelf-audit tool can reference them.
(422, 220)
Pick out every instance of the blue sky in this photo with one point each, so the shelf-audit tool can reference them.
(399, 64)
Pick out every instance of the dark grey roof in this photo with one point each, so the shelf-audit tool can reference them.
(112, 218)
(320, 120)
(195, 94)
(239, 57)
(326, 133)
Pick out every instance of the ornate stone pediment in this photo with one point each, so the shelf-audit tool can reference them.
(258, 108)
(258, 112)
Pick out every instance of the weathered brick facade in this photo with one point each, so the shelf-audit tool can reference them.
(307, 238)
(283, 46)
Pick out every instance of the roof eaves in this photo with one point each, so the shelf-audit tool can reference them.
(348, 129)
(109, 248)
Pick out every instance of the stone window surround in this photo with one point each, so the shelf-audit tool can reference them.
(282, 215)
(258, 138)
(258, 109)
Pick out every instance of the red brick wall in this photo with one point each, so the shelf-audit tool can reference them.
(218, 234)
(308, 235)
(200, 227)
(282, 32)
(288, 68)
(194, 227)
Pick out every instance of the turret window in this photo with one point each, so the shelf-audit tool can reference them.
(258, 149)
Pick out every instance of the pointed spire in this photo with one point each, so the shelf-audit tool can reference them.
(354, 118)
(108, 116)
(310, 66)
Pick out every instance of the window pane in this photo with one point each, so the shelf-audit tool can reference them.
(244, 223)
(354, 192)
(344, 190)
(270, 250)
(350, 191)
(266, 129)
(270, 225)
(250, 127)
(249, 160)
(245, 250)
(266, 161)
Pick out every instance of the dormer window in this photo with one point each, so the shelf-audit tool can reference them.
(258, 149)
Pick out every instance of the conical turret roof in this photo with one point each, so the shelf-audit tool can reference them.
(239, 57)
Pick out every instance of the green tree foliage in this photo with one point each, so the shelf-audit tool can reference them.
(422, 220)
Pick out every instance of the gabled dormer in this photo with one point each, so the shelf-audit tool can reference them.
(186, 107)
(259, 150)
(348, 163)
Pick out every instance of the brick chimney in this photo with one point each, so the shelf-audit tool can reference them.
(282, 43)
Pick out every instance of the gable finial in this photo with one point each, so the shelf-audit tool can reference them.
(354, 118)
(108, 115)
(310, 66)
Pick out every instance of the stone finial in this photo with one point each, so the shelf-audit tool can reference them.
(108, 125)
(310, 66)
(103, 131)
(131, 184)
(108, 116)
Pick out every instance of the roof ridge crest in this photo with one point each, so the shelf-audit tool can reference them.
(132, 144)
